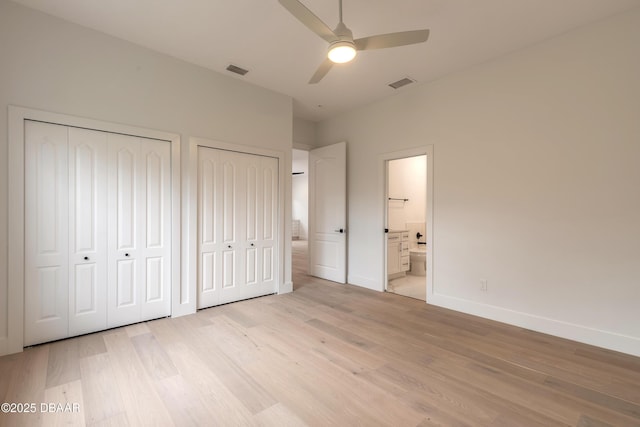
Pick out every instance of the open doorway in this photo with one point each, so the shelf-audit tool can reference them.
(406, 222)
(299, 214)
(326, 211)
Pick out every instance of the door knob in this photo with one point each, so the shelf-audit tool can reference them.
(126, 254)
(341, 230)
(86, 258)
(252, 244)
(229, 246)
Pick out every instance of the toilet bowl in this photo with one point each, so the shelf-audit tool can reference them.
(418, 259)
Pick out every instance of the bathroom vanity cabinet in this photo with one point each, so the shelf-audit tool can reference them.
(398, 252)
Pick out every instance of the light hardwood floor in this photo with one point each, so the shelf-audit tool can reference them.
(325, 354)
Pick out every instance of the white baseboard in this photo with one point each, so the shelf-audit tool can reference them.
(574, 332)
(365, 282)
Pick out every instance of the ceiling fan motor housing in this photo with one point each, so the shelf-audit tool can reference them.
(343, 49)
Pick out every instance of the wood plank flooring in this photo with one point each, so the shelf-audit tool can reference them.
(325, 354)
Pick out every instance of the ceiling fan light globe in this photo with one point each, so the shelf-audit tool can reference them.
(341, 52)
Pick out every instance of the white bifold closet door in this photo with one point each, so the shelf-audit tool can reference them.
(237, 226)
(139, 229)
(97, 231)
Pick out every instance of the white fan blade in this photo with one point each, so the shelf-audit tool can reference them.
(392, 40)
(322, 71)
(310, 20)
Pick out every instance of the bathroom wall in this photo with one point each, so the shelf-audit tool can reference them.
(407, 180)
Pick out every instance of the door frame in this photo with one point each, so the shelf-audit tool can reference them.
(189, 294)
(383, 160)
(14, 341)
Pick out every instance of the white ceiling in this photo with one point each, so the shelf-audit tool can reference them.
(281, 54)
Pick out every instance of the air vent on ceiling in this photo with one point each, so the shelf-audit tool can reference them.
(237, 70)
(401, 82)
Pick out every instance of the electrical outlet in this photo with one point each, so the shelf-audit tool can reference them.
(483, 285)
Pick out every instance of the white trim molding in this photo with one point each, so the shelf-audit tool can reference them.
(14, 341)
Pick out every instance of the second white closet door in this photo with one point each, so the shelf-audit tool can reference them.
(237, 219)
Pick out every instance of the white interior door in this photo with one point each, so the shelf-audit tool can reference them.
(327, 212)
(46, 292)
(237, 213)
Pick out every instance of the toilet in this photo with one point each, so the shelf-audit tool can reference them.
(418, 259)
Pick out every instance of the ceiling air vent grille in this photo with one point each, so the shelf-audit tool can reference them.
(237, 70)
(401, 82)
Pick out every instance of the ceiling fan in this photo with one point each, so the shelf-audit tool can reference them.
(342, 45)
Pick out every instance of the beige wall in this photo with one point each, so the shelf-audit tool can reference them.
(48, 64)
(304, 134)
(536, 183)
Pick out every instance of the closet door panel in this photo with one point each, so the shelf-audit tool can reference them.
(123, 292)
(139, 229)
(209, 228)
(155, 184)
(267, 265)
(233, 225)
(87, 231)
(253, 199)
(268, 241)
(46, 233)
(123, 168)
(155, 293)
(270, 194)
(251, 274)
(253, 224)
(228, 270)
(125, 190)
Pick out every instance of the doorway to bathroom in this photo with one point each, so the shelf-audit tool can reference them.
(407, 224)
